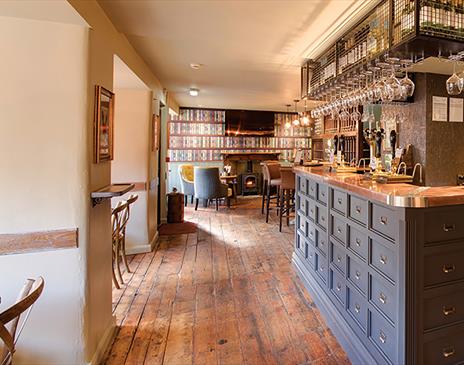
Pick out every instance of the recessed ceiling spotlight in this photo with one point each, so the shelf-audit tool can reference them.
(196, 66)
(194, 92)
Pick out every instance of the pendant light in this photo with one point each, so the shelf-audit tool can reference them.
(288, 125)
(305, 119)
(296, 121)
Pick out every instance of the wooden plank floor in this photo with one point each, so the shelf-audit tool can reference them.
(224, 295)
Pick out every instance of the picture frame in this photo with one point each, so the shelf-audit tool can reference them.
(103, 125)
(155, 130)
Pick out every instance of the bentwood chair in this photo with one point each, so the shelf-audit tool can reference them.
(271, 181)
(124, 219)
(187, 182)
(287, 194)
(208, 186)
(117, 228)
(10, 318)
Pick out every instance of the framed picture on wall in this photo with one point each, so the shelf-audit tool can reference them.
(155, 125)
(103, 124)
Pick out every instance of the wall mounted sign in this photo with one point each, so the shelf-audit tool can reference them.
(456, 110)
(103, 124)
(439, 109)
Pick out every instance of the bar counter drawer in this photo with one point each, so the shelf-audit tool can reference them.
(444, 347)
(311, 209)
(311, 257)
(321, 242)
(302, 184)
(382, 295)
(322, 193)
(321, 217)
(302, 204)
(358, 242)
(383, 258)
(338, 229)
(312, 233)
(358, 210)
(443, 306)
(357, 307)
(338, 257)
(312, 188)
(384, 221)
(357, 274)
(443, 225)
(383, 335)
(443, 263)
(339, 199)
(338, 286)
(300, 245)
(321, 268)
(302, 225)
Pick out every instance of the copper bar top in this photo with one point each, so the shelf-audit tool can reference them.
(397, 195)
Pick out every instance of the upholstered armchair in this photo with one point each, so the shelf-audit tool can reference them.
(186, 181)
(208, 186)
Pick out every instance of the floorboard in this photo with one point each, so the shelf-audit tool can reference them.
(226, 294)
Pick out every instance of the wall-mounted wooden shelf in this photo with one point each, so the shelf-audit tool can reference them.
(109, 192)
(196, 121)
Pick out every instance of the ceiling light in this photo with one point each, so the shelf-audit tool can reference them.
(194, 92)
(305, 119)
(196, 66)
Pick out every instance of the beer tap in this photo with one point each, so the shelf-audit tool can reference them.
(378, 137)
(335, 153)
(341, 142)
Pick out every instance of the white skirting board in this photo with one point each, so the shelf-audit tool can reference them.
(104, 343)
(133, 250)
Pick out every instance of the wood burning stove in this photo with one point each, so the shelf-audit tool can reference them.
(250, 181)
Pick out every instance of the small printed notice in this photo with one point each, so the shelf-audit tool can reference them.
(456, 110)
(439, 109)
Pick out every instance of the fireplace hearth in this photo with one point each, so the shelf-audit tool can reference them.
(250, 184)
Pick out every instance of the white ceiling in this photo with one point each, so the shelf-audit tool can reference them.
(251, 51)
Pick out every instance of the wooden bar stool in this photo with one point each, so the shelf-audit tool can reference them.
(287, 194)
(271, 172)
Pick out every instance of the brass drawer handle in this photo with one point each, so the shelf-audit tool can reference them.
(447, 311)
(448, 268)
(322, 194)
(312, 211)
(358, 242)
(321, 269)
(382, 337)
(357, 308)
(340, 201)
(383, 259)
(358, 209)
(339, 259)
(339, 230)
(358, 275)
(383, 220)
(448, 351)
(322, 243)
(449, 227)
(339, 287)
(322, 218)
(383, 298)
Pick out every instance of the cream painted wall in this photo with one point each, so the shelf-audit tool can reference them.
(132, 147)
(44, 174)
(105, 42)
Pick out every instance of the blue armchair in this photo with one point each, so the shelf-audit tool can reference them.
(208, 186)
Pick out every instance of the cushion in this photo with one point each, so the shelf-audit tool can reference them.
(187, 172)
(229, 192)
(275, 182)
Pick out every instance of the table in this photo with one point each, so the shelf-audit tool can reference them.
(231, 180)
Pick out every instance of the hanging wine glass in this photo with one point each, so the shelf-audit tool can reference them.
(386, 92)
(454, 84)
(407, 84)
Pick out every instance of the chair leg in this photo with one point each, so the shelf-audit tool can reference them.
(118, 268)
(278, 200)
(268, 199)
(281, 211)
(228, 202)
(113, 274)
(205, 203)
(185, 200)
(287, 206)
(191, 199)
(196, 203)
(264, 196)
(217, 204)
(123, 253)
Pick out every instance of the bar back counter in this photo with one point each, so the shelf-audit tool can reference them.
(384, 264)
